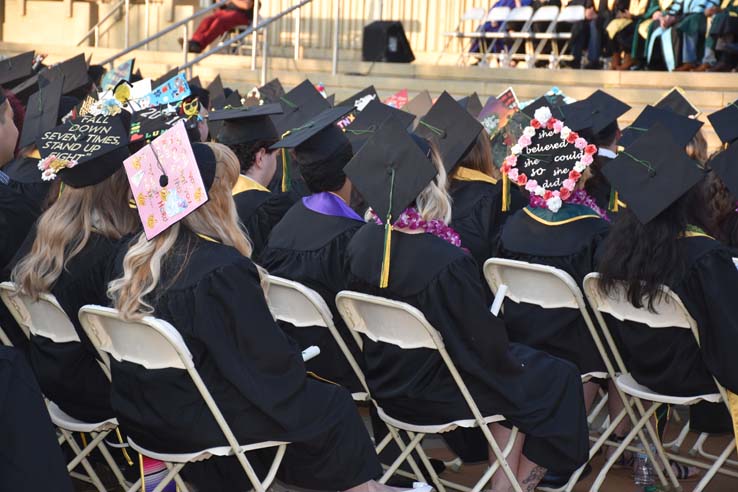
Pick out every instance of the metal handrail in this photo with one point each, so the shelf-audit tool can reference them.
(96, 28)
(164, 31)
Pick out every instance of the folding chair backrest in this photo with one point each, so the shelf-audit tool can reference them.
(547, 13)
(735, 261)
(545, 286)
(497, 14)
(388, 321)
(473, 14)
(520, 14)
(571, 14)
(43, 317)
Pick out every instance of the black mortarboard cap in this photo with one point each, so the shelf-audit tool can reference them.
(682, 128)
(194, 82)
(95, 74)
(676, 101)
(136, 76)
(594, 113)
(206, 163)
(331, 100)
(243, 125)
(653, 173)
(164, 78)
(73, 71)
(390, 168)
(201, 94)
(472, 104)
(725, 164)
(369, 120)
(451, 127)
(97, 143)
(233, 100)
(271, 91)
(725, 122)
(319, 138)
(554, 102)
(300, 105)
(16, 67)
(361, 98)
(42, 112)
(217, 95)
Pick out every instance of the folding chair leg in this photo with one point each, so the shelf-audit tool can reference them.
(676, 444)
(699, 449)
(715, 467)
(431, 471)
(96, 440)
(598, 408)
(253, 478)
(113, 466)
(82, 459)
(181, 485)
(173, 472)
(501, 459)
(393, 435)
(275, 466)
(400, 459)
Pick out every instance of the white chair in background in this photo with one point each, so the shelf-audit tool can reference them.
(552, 288)
(46, 318)
(155, 344)
(399, 324)
(668, 312)
(472, 15)
(570, 15)
(544, 15)
(518, 15)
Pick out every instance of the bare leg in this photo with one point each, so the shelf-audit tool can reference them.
(590, 393)
(614, 407)
(529, 474)
(502, 435)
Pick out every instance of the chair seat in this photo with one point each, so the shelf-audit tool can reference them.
(203, 454)
(594, 375)
(61, 419)
(630, 386)
(437, 428)
(360, 396)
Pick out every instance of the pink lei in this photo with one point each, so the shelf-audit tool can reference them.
(581, 197)
(411, 219)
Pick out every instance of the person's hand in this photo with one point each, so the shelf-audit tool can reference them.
(590, 14)
(657, 15)
(710, 11)
(668, 21)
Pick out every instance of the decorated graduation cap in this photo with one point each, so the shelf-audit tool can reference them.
(725, 122)
(300, 105)
(243, 125)
(682, 128)
(72, 71)
(149, 123)
(164, 78)
(725, 165)
(16, 67)
(472, 104)
(390, 172)
(370, 119)
(85, 151)
(548, 160)
(169, 179)
(42, 112)
(676, 101)
(271, 91)
(652, 173)
(114, 75)
(361, 98)
(594, 113)
(451, 127)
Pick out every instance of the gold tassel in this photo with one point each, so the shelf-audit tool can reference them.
(733, 404)
(141, 467)
(384, 277)
(505, 193)
(84, 439)
(125, 452)
(285, 167)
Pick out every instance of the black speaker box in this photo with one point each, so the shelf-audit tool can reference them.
(385, 41)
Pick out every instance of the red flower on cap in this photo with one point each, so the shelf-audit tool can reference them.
(535, 124)
(564, 194)
(573, 136)
(550, 124)
(590, 149)
(548, 194)
(522, 179)
(575, 175)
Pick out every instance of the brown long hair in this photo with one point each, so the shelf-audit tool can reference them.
(479, 156)
(65, 228)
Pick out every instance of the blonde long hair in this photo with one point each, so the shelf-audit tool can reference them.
(65, 228)
(217, 219)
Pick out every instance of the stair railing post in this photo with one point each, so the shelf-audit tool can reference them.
(185, 43)
(264, 49)
(336, 26)
(128, 22)
(255, 34)
(296, 35)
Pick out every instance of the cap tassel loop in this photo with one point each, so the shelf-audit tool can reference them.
(387, 250)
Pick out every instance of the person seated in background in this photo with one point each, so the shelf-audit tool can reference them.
(485, 46)
(591, 33)
(309, 244)
(221, 20)
(418, 261)
(250, 133)
(197, 275)
(721, 45)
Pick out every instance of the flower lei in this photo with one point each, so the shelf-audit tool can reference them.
(539, 196)
(411, 219)
(581, 197)
(51, 165)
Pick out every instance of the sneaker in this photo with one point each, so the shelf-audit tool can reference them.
(194, 47)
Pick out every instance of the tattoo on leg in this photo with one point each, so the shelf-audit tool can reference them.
(529, 483)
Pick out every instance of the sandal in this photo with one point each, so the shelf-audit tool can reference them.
(685, 473)
(626, 460)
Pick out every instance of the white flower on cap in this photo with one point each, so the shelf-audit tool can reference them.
(554, 204)
(542, 114)
(529, 131)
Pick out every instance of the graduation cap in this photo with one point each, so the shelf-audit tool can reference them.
(95, 74)
(725, 122)
(24, 89)
(452, 127)
(300, 105)
(72, 71)
(472, 104)
(17, 67)
(676, 101)
(652, 173)
(217, 95)
(361, 98)
(331, 100)
(136, 76)
(116, 74)
(682, 128)
(149, 123)
(725, 164)
(319, 138)
(164, 78)
(42, 112)
(370, 119)
(271, 91)
(554, 103)
(390, 172)
(594, 113)
(243, 125)
(194, 82)
(85, 151)
(201, 94)
(419, 105)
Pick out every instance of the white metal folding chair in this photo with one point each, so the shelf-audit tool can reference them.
(552, 288)
(496, 15)
(402, 325)
(517, 15)
(474, 14)
(569, 15)
(46, 318)
(155, 344)
(668, 311)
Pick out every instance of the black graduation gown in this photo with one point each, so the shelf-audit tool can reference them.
(477, 217)
(260, 211)
(17, 214)
(569, 246)
(668, 360)
(69, 373)
(310, 248)
(538, 393)
(26, 178)
(253, 371)
(30, 457)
